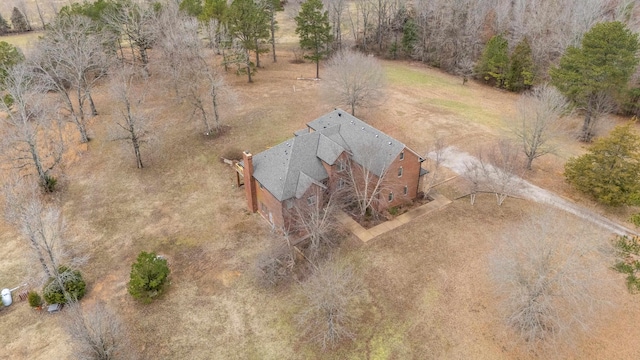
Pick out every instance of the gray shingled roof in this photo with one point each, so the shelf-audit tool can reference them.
(278, 169)
(288, 169)
(368, 146)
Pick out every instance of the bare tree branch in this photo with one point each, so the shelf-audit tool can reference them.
(355, 79)
(538, 122)
(331, 296)
(96, 333)
(552, 277)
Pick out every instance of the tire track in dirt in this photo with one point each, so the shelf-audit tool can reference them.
(457, 162)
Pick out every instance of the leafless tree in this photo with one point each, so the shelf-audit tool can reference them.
(135, 21)
(96, 332)
(450, 32)
(331, 296)
(336, 9)
(204, 87)
(131, 123)
(40, 14)
(362, 184)
(552, 278)
(361, 19)
(437, 156)
(500, 169)
(39, 224)
(316, 223)
(598, 106)
(355, 79)
(538, 121)
(275, 263)
(494, 170)
(474, 176)
(32, 134)
(71, 57)
(43, 227)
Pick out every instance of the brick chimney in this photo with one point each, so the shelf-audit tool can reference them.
(249, 181)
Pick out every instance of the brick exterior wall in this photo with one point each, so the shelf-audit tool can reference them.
(269, 207)
(396, 184)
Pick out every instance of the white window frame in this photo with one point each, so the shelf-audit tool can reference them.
(311, 200)
(402, 155)
(390, 197)
(406, 190)
(400, 172)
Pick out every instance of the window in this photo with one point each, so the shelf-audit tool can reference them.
(341, 165)
(263, 208)
(400, 172)
(288, 204)
(406, 189)
(311, 200)
(390, 197)
(402, 155)
(340, 184)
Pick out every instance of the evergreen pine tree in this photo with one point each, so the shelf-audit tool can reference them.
(4, 26)
(314, 31)
(602, 65)
(409, 36)
(494, 62)
(521, 70)
(610, 171)
(19, 21)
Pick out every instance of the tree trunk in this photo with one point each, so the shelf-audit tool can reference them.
(586, 134)
(40, 15)
(136, 150)
(257, 54)
(80, 122)
(214, 100)
(529, 162)
(134, 138)
(317, 68)
(94, 112)
(248, 66)
(42, 174)
(273, 36)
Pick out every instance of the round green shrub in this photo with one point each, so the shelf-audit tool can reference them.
(73, 284)
(34, 299)
(149, 274)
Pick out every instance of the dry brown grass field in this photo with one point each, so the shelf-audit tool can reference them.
(428, 289)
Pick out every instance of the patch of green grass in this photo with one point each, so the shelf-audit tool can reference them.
(24, 41)
(399, 74)
(466, 110)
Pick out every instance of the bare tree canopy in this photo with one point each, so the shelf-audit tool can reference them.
(494, 170)
(131, 124)
(355, 79)
(32, 133)
(331, 296)
(552, 276)
(538, 121)
(70, 58)
(96, 333)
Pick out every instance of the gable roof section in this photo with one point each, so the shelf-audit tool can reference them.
(279, 169)
(368, 146)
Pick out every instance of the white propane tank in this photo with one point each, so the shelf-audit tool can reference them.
(6, 297)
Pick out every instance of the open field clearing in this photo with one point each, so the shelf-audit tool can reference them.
(428, 292)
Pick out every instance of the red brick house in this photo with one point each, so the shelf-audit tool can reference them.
(304, 169)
